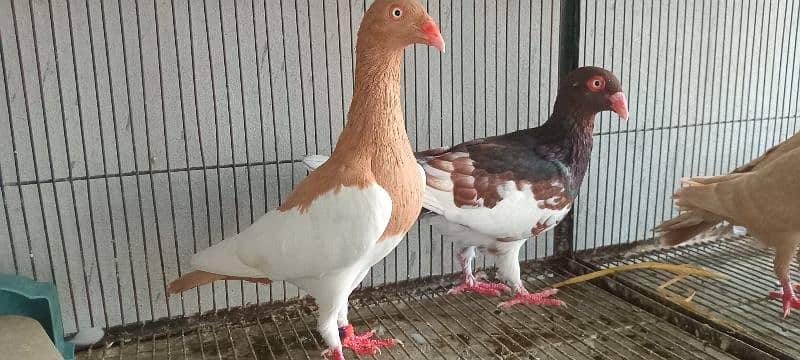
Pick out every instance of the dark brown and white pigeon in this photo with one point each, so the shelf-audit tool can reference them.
(351, 213)
(744, 197)
(494, 193)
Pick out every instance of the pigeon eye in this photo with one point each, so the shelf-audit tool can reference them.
(397, 12)
(596, 83)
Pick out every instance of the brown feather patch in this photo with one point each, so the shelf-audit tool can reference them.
(198, 277)
(550, 195)
(539, 228)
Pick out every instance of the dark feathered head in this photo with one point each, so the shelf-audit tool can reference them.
(590, 90)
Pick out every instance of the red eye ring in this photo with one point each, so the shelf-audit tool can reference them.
(596, 83)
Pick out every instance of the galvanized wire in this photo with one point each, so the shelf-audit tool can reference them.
(168, 124)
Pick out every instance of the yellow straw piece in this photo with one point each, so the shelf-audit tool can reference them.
(681, 271)
(677, 269)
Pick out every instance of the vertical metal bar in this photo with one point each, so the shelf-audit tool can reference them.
(793, 92)
(341, 69)
(207, 197)
(261, 111)
(568, 57)
(767, 42)
(619, 135)
(49, 155)
(68, 154)
(168, 165)
(790, 68)
(746, 54)
(274, 124)
(16, 165)
(216, 135)
(643, 114)
(116, 143)
(664, 122)
(102, 150)
(776, 69)
(702, 104)
(628, 79)
(244, 128)
(230, 138)
(327, 74)
(722, 126)
(190, 191)
(149, 167)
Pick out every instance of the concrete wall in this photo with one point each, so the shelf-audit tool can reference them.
(133, 133)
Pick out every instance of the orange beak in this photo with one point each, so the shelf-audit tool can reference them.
(619, 104)
(433, 37)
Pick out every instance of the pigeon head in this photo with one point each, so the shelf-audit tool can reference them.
(590, 90)
(395, 24)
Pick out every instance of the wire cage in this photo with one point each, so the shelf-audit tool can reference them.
(134, 133)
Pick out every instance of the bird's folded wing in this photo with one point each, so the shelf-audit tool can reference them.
(772, 154)
(335, 231)
(468, 176)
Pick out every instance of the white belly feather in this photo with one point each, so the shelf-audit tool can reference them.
(513, 217)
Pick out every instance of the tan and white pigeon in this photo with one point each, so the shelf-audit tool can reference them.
(691, 223)
(763, 196)
(351, 212)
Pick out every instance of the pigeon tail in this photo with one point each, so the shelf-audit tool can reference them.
(199, 277)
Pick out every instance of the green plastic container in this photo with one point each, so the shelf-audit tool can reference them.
(38, 300)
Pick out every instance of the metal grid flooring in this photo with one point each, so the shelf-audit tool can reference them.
(595, 325)
(741, 299)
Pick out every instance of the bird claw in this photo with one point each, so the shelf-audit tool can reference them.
(540, 298)
(333, 354)
(363, 344)
(479, 287)
(789, 300)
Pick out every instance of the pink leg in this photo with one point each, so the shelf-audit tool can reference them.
(522, 296)
(789, 299)
(469, 283)
(363, 344)
(333, 354)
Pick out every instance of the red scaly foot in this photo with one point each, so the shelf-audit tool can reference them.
(540, 298)
(471, 284)
(789, 299)
(363, 344)
(333, 354)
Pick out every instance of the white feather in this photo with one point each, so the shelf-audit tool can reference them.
(312, 162)
(512, 217)
(326, 238)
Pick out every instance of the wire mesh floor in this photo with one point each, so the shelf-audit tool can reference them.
(740, 301)
(595, 325)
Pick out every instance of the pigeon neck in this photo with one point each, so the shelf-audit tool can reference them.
(571, 131)
(375, 114)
